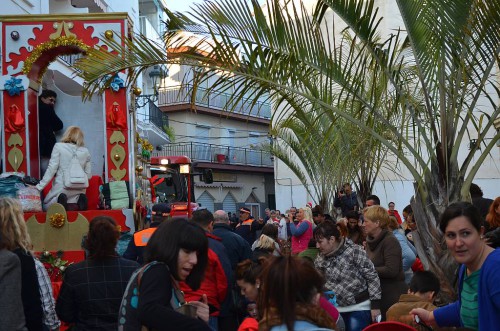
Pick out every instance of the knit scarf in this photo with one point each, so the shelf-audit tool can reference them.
(310, 313)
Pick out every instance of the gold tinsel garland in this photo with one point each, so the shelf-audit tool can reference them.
(57, 220)
(58, 42)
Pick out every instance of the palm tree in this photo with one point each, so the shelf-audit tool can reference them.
(436, 76)
(324, 157)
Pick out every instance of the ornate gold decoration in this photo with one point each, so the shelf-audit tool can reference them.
(118, 173)
(117, 137)
(67, 238)
(15, 156)
(15, 139)
(137, 91)
(116, 157)
(60, 27)
(57, 220)
(108, 34)
(40, 49)
(139, 168)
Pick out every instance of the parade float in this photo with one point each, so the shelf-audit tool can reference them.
(30, 44)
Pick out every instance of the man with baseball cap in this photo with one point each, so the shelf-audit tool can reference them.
(248, 226)
(160, 212)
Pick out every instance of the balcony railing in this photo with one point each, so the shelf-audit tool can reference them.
(154, 115)
(218, 154)
(182, 94)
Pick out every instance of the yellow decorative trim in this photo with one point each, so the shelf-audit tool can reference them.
(118, 174)
(15, 158)
(67, 17)
(15, 139)
(118, 153)
(42, 48)
(117, 137)
(60, 27)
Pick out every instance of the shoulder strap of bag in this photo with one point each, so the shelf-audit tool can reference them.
(176, 291)
(74, 152)
(143, 269)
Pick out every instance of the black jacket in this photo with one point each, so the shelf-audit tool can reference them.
(92, 291)
(30, 291)
(237, 248)
(48, 124)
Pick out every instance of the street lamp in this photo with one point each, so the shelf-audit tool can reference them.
(157, 73)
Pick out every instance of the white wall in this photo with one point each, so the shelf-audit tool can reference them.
(89, 117)
(16, 7)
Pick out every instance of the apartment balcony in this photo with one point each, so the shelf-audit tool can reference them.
(148, 29)
(221, 157)
(153, 123)
(178, 98)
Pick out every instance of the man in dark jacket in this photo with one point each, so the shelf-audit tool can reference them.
(238, 250)
(346, 199)
(248, 226)
(48, 124)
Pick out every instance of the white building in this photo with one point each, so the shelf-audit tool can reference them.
(226, 142)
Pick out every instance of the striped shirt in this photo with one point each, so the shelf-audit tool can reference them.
(469, 307)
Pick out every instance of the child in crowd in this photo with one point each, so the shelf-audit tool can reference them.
(252, 309)
(424, 286)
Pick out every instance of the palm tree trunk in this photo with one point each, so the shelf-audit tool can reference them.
(428, 239)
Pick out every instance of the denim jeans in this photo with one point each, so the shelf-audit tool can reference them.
(356, 320)
(213, 323)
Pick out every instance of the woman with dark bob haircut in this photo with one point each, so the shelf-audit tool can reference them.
(478, 304)
(289, 296)
(177, 251)
(92, 290)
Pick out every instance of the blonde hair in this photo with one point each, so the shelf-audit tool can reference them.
(13, 226)
(73, 135)
(266, 242)
(377, 213)
(308, 216)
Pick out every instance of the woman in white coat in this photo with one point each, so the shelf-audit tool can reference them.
(71, 145)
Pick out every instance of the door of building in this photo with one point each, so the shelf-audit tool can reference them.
(206, 201)
(229, 203)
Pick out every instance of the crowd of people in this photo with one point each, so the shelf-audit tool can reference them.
(297, 270)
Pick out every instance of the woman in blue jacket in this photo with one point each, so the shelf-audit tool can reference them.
(478, 304)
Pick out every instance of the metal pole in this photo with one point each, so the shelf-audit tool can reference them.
(189, 192)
